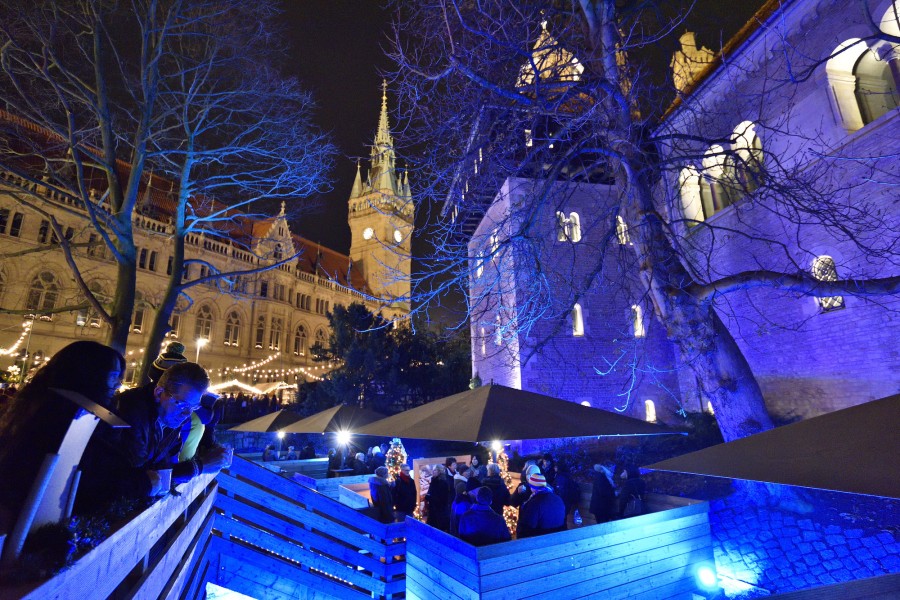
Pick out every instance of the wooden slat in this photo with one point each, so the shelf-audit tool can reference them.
(632, 581)
(300, 515)
(442, 561)
(311, 499)
(161, 577)
(270, 564)
(445, 580)
(298, 557)
(682, 589)
(420, 585)
(582, 533)
(607, 573)
(556, 546)
(307, 537)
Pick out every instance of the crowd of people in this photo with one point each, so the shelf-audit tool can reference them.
(241, 407)
(169, 439)
(468, 500)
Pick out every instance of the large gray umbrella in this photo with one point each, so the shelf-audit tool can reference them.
(337, 418)
(496, 412)
(269, 423)
(852, 450)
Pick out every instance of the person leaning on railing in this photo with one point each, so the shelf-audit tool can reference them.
(142, 460)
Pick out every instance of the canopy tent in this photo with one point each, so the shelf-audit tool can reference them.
(234, 384)
(278, 386)
(337, 418)
(276, 421)
(496, 412)
(852, 450)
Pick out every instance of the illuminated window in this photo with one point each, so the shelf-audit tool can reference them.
(498, 331)
(300, 338)
(577, 321)
(232, 329)
(203, 325)
(479, 264)
(709, 408)
(275, 333)
(622, 231)
(483, 342)
(568, 229)
(260, 334)
(824, 269)
(574, 227)
(495, 242)
(650, 410)
(321, 337)
(529, 139)
(637, 321)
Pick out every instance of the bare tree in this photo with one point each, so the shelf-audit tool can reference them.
(99, 93)
(550, 91)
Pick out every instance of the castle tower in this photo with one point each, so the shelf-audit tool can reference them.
(381, 220)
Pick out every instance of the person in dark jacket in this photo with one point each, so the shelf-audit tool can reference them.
(404, 491)
(35, 420)
(359, 466)
(603, 495)
(498, 488)
(523, 490)
(480, 525)
(308, 451)
(380, 492)
(566, 487)
(631, 486)
(438, 499)
(462, 503)
(131, 462)
(544, 512)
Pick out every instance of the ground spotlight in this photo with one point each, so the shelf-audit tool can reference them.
(706, 577)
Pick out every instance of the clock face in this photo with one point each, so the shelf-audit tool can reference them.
(368, 232)
(398, 236)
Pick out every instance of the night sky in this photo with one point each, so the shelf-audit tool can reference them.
(337, 52)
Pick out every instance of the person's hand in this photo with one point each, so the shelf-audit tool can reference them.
(216, 459)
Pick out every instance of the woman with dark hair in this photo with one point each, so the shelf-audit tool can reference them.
(36, 419)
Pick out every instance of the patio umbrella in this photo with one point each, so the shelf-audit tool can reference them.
(337, 418)
(852, 450)
(276, 421)
(496, 412)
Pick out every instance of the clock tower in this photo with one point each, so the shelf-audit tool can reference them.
(381, 221)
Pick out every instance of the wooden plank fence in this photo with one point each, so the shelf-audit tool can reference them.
(651, 556)
(149, 557)
(304, 538)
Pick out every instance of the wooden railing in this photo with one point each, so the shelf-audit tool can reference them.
(651, 556)
(273, 535)
(152, 556)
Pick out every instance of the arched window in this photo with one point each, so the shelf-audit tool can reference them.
(622, 231)
(862, 85)
(577, 321)
(562, 227)
(479, 264)
(483, 342)
(574, 227)
(718, 189)
(637, 321)
(300, 338)
(43, 293)
(260, 334)
(709, 408)
(495, 242)
(321, 337)
(824, 269)
(88, 317)
(203, 325)
(650, 410)
(747, 157)
(498, 330)
(139, 318)
(232, 329)
(275, 332)
(689, 190)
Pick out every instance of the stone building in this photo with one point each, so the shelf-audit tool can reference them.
(256, 328)
(800, 175)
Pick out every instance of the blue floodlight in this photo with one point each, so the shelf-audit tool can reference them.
(343, 438)
(706, 577)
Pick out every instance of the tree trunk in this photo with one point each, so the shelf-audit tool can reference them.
(123, 301)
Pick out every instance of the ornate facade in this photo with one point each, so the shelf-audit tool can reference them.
(256, 328)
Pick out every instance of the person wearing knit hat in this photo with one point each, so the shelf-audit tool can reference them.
(480, 525)
(523, 491)
(544, 512)
(173, 355)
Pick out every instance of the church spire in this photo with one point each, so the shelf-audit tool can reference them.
(382, 174)
(356, 192)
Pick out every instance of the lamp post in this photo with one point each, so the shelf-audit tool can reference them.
(200, 343)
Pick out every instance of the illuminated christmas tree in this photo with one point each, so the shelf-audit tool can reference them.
(510, 513)
(394, 457)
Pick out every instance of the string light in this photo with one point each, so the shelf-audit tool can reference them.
(257, 365)
(26, 327)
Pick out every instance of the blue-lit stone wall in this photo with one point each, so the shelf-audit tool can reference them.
(775, 539)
